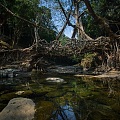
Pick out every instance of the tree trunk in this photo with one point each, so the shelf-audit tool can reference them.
(79, 26)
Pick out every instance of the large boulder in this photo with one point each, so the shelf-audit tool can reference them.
(18, 109)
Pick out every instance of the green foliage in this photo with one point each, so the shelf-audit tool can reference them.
(21, 33)
(91, 28)
(109, 10)
(63, 40)
(44, 110)
(47, 34)
(86, 62)
(89, 55)
(75, 58)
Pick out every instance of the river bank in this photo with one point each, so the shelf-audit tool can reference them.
(12, 72)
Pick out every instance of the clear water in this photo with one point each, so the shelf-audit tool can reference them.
(74, 99)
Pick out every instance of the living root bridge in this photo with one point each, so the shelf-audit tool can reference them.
(77, 47)
(15, 56)
(55, 48)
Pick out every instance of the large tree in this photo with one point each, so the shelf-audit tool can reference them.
(75, 10)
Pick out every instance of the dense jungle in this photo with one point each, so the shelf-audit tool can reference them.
(59, 59)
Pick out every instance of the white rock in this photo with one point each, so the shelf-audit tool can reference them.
(53, 79)
(18, 109)
(19, 92)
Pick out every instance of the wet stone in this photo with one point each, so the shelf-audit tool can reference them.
(18, 109)
(54, 79)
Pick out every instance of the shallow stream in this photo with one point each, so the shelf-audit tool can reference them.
(75, 98)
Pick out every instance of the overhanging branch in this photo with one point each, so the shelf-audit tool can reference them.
(67, 18)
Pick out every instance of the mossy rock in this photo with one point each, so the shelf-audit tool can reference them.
(56, 93)
(32, 93)
(84, 93)
(39, 93)
(116, 107)
(26, 93)
(6, 97)
(47, 88)
(44, 110)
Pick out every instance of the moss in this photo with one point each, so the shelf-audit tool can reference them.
(33, 93)
(44, 110)
(39, 93)
(45, 89)
(56, 93)
(116, 107)
(27, 93)
(6, 97)
(86, 62)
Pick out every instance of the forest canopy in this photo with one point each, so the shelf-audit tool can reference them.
(51, 15)
(18, 18)
(94, 26)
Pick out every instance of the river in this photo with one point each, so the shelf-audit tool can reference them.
(74, 98)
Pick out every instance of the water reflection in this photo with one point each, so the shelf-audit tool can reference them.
(76, 99)
(64, 113)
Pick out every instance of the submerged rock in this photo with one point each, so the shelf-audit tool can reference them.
(19, 92)
(18, 109)
(53, 79)
(65, 69)
(44, 110)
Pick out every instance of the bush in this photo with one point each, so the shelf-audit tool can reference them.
(88, 59)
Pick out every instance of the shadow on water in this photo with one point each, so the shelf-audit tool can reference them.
(74, 99)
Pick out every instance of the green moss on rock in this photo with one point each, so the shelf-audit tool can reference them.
(44, 110)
